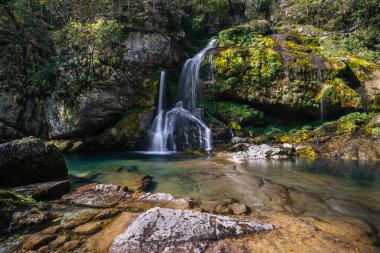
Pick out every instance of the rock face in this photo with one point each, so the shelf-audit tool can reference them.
(151, 49)
(8, 133)
(130, 132)
(42, 191)
(19, 118)
(169, 230)
(29, 161)
(95, 110)
(99, 110)
(9, 110)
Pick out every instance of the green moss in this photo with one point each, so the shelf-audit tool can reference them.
(307, 152)
(338, 94)
(294, 138)
(232, 112)
(11, 202)
(362, 69)
(234, 126)
(230, 62)
(288, 69)
(375, 132)
(244, 35)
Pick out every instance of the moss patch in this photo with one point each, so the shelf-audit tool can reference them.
(228, 112)
(11, 202)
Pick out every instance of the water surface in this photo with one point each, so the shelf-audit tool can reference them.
(317, 188)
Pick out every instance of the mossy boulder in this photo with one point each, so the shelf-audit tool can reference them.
(307, 152)
(12, 202)
(130, 131)
(289, 73)
(30, 160)
(351, 137)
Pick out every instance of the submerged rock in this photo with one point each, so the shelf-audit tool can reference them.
(97, 195)
(160, 229)
(30, 160)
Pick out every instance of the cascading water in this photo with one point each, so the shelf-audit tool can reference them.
(182, 127)
(158, 135)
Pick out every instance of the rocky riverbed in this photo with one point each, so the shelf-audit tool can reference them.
(109, 218)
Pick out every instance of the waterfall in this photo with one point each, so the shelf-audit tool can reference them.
(182, 127)
(322, 102)
(158, 134)
(189, 80)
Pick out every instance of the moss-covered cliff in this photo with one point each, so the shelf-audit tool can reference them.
(286, 71)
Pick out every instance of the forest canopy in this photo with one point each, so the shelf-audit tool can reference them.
(55, 46)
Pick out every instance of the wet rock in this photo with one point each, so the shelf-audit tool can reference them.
(52, 230)
(29, 217)
(30, 160)
(238, 208)
(59, 241)
(88, 228)
(72, 245)
(43, 191)
(97, 195)
(36, 241)
(106, 214)
(80, 219)
(161, 229)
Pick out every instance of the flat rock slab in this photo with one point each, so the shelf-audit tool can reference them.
(43, 191)
(88, 228)
(161, 229)
(97, 195)
(36, 241)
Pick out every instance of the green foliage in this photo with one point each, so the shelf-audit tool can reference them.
(87, 53)
(232, 112)
(25, 49)
(359, 19)
(348, 123)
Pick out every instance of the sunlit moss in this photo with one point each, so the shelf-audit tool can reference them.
(307, 152)
(338, 94)
(362, 69)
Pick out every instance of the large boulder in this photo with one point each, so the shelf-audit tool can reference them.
(30, 160)
(95, 110)
(169, 230)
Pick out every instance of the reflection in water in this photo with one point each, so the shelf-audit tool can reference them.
(318, 188)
